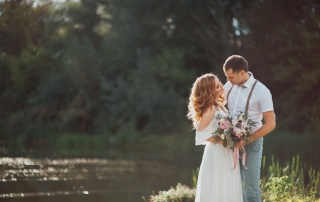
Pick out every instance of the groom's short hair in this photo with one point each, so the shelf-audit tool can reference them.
(236, 63)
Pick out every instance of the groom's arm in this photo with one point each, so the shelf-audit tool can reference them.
(266, 106)
(269, 125)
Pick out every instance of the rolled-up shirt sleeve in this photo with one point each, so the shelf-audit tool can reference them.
(265, 101)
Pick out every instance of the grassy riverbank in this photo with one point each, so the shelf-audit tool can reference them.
(288, 184)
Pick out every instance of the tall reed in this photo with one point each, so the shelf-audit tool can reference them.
(300, 182)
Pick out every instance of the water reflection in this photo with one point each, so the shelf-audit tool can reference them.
(120, 180)
(62, 169)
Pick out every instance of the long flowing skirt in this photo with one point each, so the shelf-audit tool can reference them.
(217, 182)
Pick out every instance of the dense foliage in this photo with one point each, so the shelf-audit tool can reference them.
(121, 67)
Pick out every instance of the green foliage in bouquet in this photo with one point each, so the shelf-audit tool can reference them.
(224, 131)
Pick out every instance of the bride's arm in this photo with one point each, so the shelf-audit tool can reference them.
(206, 119)
(212, 140)
(204, 122)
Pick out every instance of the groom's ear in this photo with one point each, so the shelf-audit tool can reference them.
(242, 72)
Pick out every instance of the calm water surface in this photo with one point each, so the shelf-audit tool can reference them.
(33, 179)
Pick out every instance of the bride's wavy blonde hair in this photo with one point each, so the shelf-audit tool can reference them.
(202, 97)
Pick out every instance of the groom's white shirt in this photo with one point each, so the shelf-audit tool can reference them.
(261, 100)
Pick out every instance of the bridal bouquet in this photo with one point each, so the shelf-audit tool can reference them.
(233, 130)
(224, 130)
(242, 127)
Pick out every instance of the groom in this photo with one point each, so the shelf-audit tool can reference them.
(243, 91)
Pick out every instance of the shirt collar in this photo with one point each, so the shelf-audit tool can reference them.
(250, 81)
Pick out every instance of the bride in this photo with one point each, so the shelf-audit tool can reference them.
(217, 182)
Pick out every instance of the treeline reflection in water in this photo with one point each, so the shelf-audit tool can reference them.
(84, 179)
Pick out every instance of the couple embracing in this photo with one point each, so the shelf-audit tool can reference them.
(217, 180)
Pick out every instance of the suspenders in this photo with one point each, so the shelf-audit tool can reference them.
(228, 96)
(249, 97)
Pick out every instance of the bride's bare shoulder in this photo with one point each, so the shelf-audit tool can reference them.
(209, 112)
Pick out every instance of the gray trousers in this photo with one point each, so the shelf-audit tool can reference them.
(251, 176)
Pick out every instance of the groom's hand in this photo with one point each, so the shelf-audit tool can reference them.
(240, 144)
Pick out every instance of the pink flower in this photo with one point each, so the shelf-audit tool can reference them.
(224, 125)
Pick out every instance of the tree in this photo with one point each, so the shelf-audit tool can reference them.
(22, 31)
(21, 23)
(282, 48)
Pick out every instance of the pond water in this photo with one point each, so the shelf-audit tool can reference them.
(43, 174)
(30, 178)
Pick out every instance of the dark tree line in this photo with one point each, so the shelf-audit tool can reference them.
(125, 66)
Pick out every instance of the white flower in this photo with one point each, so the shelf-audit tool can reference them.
(240, 118)
(222, 136)
(234, 121)
(244, 124)
(237, 130)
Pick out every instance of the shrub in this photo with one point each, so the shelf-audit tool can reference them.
(181, 193)
(279, 189)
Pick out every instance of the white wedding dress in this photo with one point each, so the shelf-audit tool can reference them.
(217, 182)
